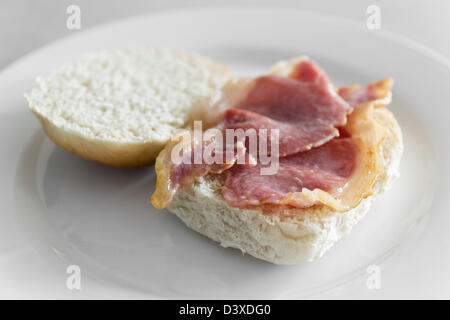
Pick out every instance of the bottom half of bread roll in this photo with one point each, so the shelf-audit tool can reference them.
(285, 235)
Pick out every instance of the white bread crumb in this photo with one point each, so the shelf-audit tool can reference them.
(121, 107)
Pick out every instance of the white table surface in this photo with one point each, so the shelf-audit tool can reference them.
(29, 24)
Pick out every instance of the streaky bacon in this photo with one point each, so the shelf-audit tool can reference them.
(326, 167)
(321, 153)
(377, 93)
(172, 176)
(304, 107)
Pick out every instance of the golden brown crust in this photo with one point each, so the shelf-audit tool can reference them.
(122, 155)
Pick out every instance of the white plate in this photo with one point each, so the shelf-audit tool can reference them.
(58, 209)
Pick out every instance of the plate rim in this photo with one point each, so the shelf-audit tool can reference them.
(391, 35)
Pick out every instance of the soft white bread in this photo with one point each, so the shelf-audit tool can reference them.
(120, 108)
(282, 235)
